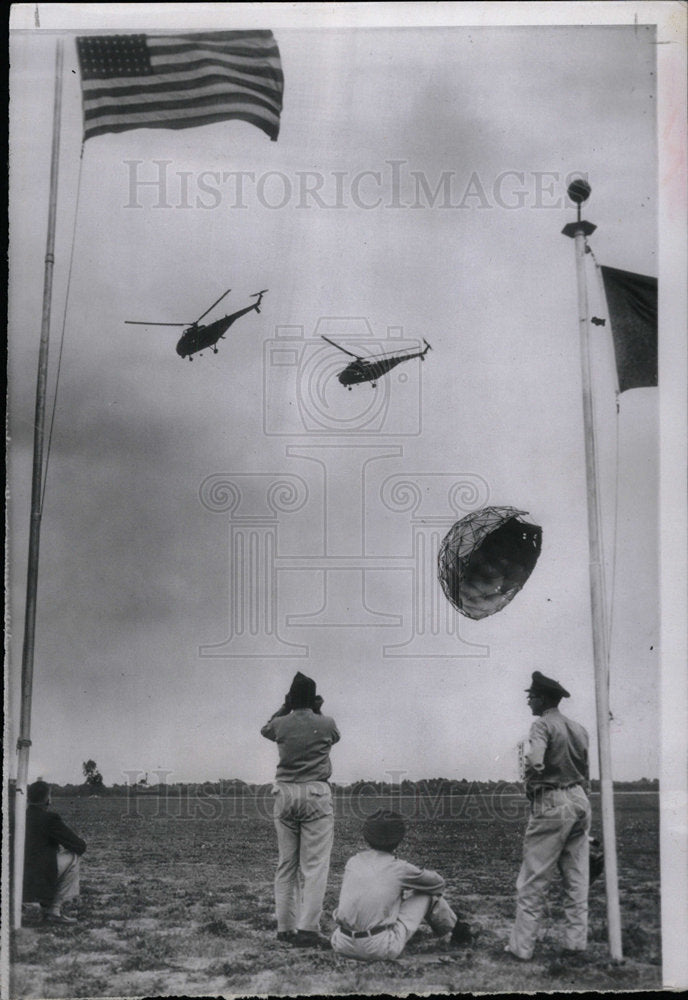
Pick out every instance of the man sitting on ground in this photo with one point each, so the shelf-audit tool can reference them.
(384, 900)
(51, 856)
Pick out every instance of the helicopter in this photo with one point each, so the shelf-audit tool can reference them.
(195, 338)
(368, 369)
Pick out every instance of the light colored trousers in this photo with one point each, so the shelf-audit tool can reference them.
(389, 944)
(556, 837)
(304, 821)
(67, 877)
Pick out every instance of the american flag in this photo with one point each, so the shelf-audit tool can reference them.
(180, 81)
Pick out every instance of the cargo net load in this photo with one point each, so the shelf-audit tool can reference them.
(486, 558)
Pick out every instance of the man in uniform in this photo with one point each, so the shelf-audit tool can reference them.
(303, 812)
(384, 900)
(51, 856)
(556, 778)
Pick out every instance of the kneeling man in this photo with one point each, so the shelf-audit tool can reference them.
(51, 856)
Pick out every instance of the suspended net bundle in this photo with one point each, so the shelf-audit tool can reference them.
(486, 558)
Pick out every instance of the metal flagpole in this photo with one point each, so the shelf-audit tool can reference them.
(578, 192)
(24, 741)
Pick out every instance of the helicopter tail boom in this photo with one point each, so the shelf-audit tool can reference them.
(141, 322)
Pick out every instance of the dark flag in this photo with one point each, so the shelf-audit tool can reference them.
(180, 81)
(632, 305)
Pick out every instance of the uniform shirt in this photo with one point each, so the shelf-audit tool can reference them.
(558, 751)
(303, 740)
(373, 885)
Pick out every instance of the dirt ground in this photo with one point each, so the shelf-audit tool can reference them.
(177, 900)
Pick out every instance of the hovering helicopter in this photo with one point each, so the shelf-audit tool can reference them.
(369, 369)
(195, 338)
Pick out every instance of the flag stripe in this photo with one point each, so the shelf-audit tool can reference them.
(179, 122)
(249, 50)
(266, 73)
(179, 81)
(213, 93)
(263, 37)
(171, 64)
(142, 116)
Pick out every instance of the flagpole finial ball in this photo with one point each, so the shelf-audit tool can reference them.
(579, 191)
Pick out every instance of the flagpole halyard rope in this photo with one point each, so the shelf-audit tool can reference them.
(62, 334)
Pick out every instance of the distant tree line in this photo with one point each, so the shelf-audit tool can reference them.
(234, 787)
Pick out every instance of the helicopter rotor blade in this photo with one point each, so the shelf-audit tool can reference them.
(254, 294)
(140, 322)
(212, 306)
(389, 354)
(340, 348)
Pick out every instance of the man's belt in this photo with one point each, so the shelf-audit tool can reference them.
(546, 786)
(364, 934)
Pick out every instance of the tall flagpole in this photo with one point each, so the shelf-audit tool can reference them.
(24, 741)
(578, 192)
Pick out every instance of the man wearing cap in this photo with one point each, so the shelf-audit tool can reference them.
(384, 900)
(303, 813)
(556, 779)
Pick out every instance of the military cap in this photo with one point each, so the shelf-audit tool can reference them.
(302, 691)
(545, 685)
(384, 830)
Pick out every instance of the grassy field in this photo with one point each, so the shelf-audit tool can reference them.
(177, 900)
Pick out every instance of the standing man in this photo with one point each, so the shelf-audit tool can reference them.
(51, 856)
(556, 778)
(303, 813)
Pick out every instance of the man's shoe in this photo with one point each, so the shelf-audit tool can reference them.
(463, 935)
(512, 954)
(59, 918)
(286, 935)
(310, 939)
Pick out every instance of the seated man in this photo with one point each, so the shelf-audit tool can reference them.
(51, 856)
(384, 900)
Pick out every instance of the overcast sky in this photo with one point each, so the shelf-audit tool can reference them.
(417, 190)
